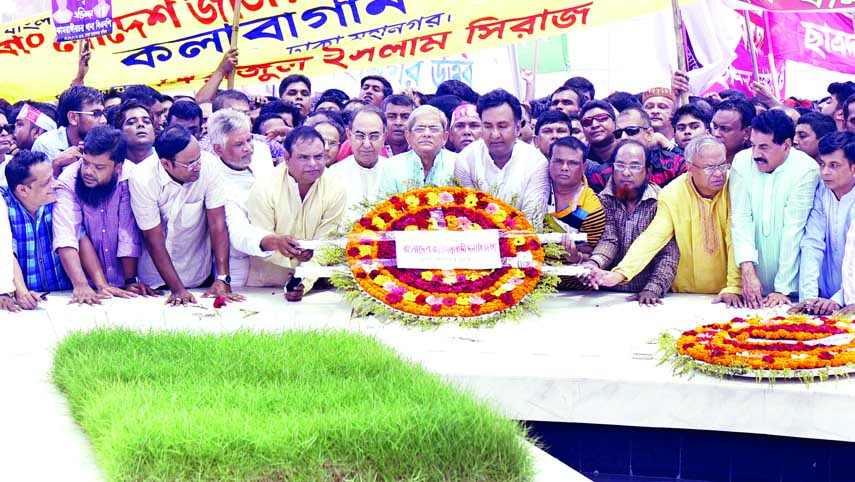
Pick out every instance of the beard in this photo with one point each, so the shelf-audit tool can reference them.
(95, 196)
(629, 193)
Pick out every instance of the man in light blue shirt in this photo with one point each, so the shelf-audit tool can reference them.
(772, 188)
(820, 275)
(427, 163)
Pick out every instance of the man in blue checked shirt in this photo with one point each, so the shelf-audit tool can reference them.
(29, 201)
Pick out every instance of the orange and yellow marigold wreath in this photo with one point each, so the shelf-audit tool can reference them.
(444, 293)
(776, 345)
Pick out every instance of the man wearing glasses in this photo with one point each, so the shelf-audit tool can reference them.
(694, 210)
(514, 171)
(598, 124)
(80, 108)
(630, 202)
(427, 164)
(663, 164)
(362, 172)
(772, 190)
(178, 200)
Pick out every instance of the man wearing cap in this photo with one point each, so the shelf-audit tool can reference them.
(30, 123)
(465, 127)
(658, 102)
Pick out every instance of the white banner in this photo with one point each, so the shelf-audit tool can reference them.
(475, 249)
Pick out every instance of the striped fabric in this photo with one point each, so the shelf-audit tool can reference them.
(587, 217)
(33, 245)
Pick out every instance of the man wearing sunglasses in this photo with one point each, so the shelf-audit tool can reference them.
(598, 124)
(80, 109)
(178, 201)
(694, 211)
(663, 164)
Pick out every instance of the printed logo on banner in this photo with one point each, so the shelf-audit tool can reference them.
(80, 19)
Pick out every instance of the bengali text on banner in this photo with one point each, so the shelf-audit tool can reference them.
(176, 44)
(792, 5)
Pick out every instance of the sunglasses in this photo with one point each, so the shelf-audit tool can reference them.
(601, 118)
(8, 128)
(630, 131)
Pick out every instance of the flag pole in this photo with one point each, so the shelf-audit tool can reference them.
(751, 48)
(680, 44)
(234, 40)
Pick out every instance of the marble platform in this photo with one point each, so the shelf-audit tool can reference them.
(590, 358)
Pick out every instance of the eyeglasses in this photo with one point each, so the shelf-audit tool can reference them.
(373, 137)
(190, 165)
(422, 129)
(330, 143)
(633, 168)
(710, 170)
(8, 128)
(601, 118)
(630, 131)
(95, 113)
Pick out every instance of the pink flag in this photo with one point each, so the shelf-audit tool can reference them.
(825, 40)
(792, 5)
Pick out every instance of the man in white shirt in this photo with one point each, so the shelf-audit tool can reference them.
(362, 172)
(514, 171)
(240, 165)
(178, 201)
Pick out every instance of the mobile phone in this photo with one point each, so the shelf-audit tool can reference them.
(293, 283)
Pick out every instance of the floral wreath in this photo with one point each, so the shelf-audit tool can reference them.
(471, 297)
(780, 347)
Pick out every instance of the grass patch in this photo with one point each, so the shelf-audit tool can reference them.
(299, 406)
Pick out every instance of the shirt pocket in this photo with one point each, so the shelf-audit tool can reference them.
(189, 216)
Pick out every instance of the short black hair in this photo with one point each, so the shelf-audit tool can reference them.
(820, 123)
(841, 91)
(18, 168)
(497, 97)
(184, 110)
(570, 142)
(632, 142)
(746, 110)
(261, 119)
(776, 123)
(758, 102)
(623, 100)
(280, 107)
(126, 105)
(844, 141)
(73, 98)
(458, 88)
(143, 93)
(336, 96)
(580, 95)
(691, 110)
(171, 141)
(113, 93)
(400, 100)
(583, 84)
(301, 133)
(387, 86)
(645, 117)
(291, 79)
(105, 139)
(551, 117)
(446, 104)
(732, 94)
(221, 98)
(598, 104)
(846, 112)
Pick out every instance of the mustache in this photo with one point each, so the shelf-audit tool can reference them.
(760, 159)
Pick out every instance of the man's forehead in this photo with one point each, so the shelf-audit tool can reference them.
(366, 121)
(688, 119)
(307, 145)
(427, 118)
(555, 125)
(594, 112)
(727, 116)
(297, 85)
(804, 128)
(565, 152)
(710, 155)
(467, 119)
(630, 152)
(499, 113)
(628, 118)
(658, 99)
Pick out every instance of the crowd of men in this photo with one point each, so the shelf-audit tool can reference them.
(131, 192)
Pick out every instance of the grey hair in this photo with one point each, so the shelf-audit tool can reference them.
(223, 122)
(700, 143)
(427, 110)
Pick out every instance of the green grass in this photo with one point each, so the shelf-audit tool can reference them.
(300, 406)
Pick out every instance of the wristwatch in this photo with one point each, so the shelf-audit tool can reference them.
(132, 280)
(225, 279)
